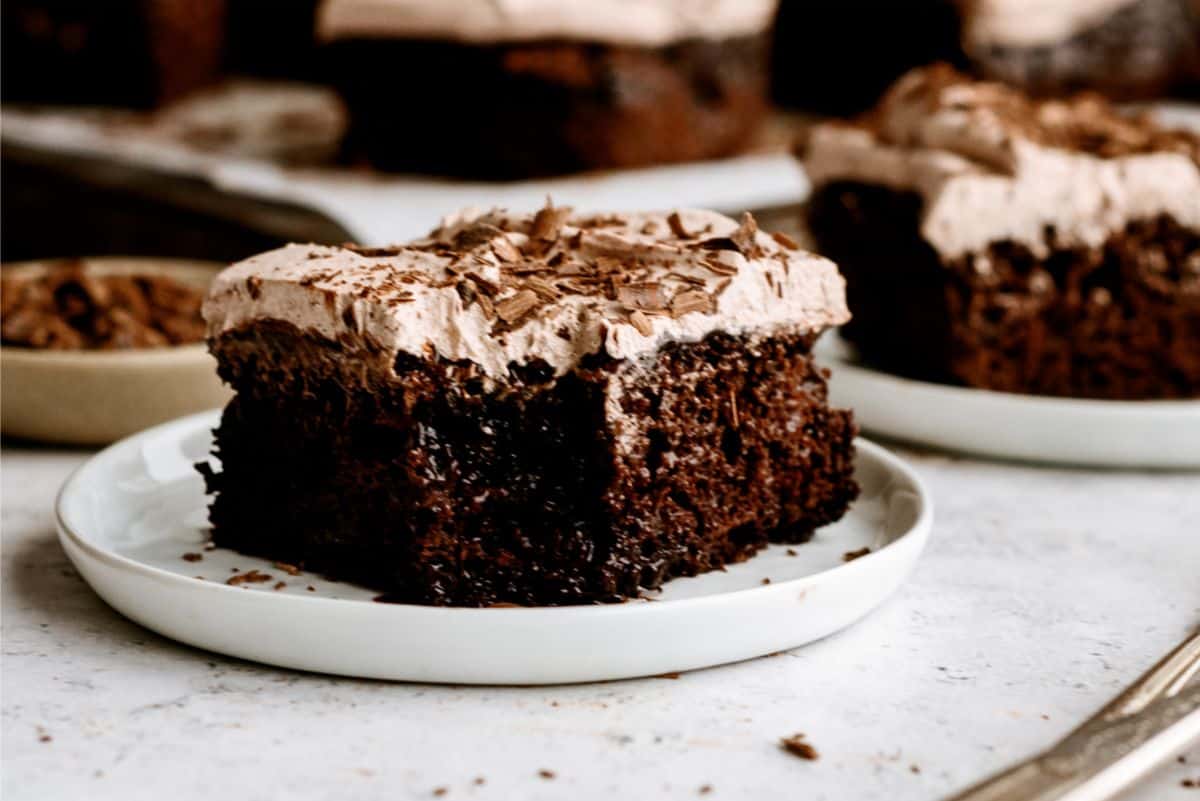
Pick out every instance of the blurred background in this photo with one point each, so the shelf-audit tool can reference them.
(216, 128)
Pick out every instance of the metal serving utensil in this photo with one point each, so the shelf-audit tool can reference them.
(1156, 717)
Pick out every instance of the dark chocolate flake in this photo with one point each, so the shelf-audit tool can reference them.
(515, 307)
(785, 240)
(641, 322)
(548, 222)
(677, 226)
(647, 296)
(692, 300)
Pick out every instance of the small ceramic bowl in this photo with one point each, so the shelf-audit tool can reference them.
(93, 397)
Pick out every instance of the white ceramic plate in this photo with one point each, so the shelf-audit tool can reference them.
(130, 513)
(1140, 434)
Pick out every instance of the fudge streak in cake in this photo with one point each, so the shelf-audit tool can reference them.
(990, 240)
(530, 409)
(514, 88)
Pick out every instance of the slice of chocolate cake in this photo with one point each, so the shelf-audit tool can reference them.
(990, 240)
(530, 409)
(510, 90)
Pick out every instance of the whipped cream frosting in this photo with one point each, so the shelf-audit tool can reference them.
(497, 289)
(992, 165)
(1033, 23)
(648, 23)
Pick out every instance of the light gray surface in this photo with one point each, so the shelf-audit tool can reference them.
(1043, 592)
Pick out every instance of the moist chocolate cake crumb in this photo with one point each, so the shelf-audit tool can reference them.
(798, 746)
(914, 768)
(1191, 784)
(249, 577)
(705, 789)
(850, 556)
(479, 781)
(279, 585)
(766, 581)
(552, 476)
(291, 570)
(192, 557)
(440, 791)
(1119, 321)
(311, 588)
(791, 552)
(546, 774)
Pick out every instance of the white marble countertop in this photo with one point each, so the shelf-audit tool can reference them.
(1043, 592)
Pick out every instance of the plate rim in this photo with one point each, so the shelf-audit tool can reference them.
(921, 526)
(837, 347)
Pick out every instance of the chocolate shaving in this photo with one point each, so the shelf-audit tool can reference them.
(485, 286)
(677, 226)
(505, 250)
(476, 235)
(692, 300)
(641, 322)
(374, 253)
(719, 243)
(796, 745)
(515, 307)
(249, 577)
(720, 267)
(548, 222)
(745, 235)
(544, 289)
(785, 240)
(646, 296)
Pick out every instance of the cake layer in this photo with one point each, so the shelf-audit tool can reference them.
(501, 291)
(551, 107)
(1119, 320)
(647, 23)
(583, 488)
(992, 166)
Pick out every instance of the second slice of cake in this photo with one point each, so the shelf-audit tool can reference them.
(531, 409)
(991, 240)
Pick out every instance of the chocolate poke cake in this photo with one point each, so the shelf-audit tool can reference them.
(508, 90)
(528, 409)
(1126, 49)
(990, 240)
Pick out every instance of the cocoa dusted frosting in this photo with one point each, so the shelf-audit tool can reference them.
(649, 23)
(993, 165)
(496, 288)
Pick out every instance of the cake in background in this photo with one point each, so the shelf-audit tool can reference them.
(546, 408)
(508, 90)
(273, 39)
(839, 57)
(1125, 49)
(991, 240)
(140, 53)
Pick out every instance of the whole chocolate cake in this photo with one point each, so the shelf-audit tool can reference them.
(991, 240)
(531, 409)
(508, 90)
